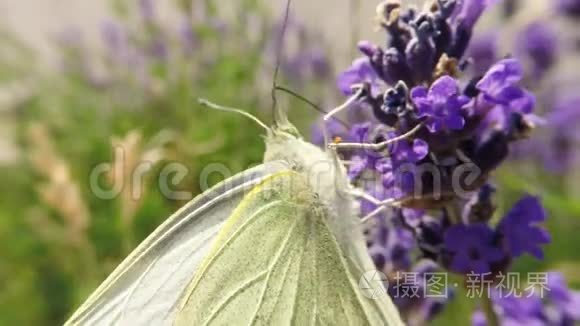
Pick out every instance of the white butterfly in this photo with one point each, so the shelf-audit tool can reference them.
(277, 244)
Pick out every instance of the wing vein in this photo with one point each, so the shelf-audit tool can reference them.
(132, 291)
(233, 294)
(346, 270)
(171, 225)
(349, 322)
(275, 261)
(301, 261)
(229, 241)
(315, 284)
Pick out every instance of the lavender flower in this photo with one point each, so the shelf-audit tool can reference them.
(464, 18)
(188, 39)
(472, 248)
(469, 11)
(441, 105)
(500, 86)
(514, 310)
(538, 42)
(562, 302)
(560, 149)
(568, 7)
(359, 72)
(147, 10)
(441, 126)
(558, 306)
(483, 52)
(114, 36)
(519, 229)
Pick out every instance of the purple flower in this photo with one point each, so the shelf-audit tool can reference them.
(565, 116)
(390, 245)
(564, 303)
(483, 51)
(539, 43)
(560, 150)
(514, 310)
(319, 63)
(559, 306)
(362, 160)
(467, 12)
(504, 74)
(441, 104)
(114, 36)
(187, 37)
(569, 7)
(359, 72)
(519, 229)
(500, 90)
(472, 248)
(412, 217)
(147, 10)
(499, 86)
(408, 151)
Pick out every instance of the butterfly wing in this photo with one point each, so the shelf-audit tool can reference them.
(277, 261)
(145, 287)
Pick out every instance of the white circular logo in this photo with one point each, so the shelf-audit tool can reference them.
(373, 284)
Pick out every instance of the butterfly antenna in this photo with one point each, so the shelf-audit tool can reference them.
(307, 101)
(218, 107)
(279, 116)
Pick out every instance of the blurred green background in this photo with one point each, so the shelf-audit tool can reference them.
(135, 88)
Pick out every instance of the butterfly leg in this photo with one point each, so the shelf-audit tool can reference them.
(337, 110)
(381, 204)
(378, 146)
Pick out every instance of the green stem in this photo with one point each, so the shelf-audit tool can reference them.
(490, 314)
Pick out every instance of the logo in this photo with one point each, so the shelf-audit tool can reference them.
(373, 284)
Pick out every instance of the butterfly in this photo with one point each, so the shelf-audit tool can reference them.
(280, 243)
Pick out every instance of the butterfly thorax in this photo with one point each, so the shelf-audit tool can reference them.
(324, 175)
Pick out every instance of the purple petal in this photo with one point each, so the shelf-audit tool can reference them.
(359, 164)
(424, 108)
(536, 252)
(367, 48)
(360, 71)
(412, 216)
(493, 254)
(509, 94)
(420, 148)
(419, 92)
(571, 308)
(444, 88)
(479, 267)
(469, 11)
(525, 104)
(512, 70)
(461, 263)
(454, 237)
(434, 126)
(505, 73)
(360, 132)
(529, 208)
(455, 122)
